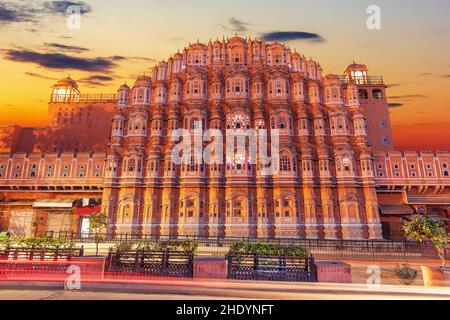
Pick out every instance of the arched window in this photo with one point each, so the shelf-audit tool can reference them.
(377, 94)
(195, 123)
(303, 127)
(236, 87)
(260, 124)
(284, 122)
(239, 204)
(190, 203)
(126, 213)
(285, 164)
(236, 57)
(363, 95)
(298, 91)
(238, 121)
(195, 88)
(140, 94)
(278, 88)
(257, 90)
(353, 212)
(131, 165)
(197, 57)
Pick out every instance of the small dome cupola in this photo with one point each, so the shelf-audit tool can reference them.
(357, 72)
(122, 96)
(142, 90)
(65, 90)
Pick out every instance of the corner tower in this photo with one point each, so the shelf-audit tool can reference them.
(372, 97)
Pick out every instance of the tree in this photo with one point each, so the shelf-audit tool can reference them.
(422, 228)
(97, 223)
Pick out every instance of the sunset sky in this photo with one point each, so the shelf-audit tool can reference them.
(120, 39)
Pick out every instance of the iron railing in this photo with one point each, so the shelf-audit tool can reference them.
(363, 80)
(244, 267)
(84, 98)
(364, 250)
(40, 254)
(150, 264)
(36, 262)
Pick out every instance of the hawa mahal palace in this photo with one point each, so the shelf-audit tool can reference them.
(338, 177)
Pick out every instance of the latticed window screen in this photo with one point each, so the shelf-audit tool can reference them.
(285, 164)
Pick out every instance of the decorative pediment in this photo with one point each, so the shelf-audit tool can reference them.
(134, 152)
(277, 73)
(138, 115)
(351, 197)
(193, 73)
(236, 72)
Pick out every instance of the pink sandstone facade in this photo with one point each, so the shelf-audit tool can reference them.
(339, 176)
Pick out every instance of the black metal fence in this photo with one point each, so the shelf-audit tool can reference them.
(272, 268)
(40, 254)
(150, 264)
(34, 261)
(370, 250)
(364, 250)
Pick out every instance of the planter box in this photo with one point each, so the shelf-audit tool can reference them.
(436, 276)
(333, 272)
(210, 268)
(271, 268)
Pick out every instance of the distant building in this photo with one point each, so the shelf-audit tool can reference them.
(337, 177)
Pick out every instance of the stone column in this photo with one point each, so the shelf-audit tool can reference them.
(311, 227)
(372, 213)
(329, 222)
(151, 220)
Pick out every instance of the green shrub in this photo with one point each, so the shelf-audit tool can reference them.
(123, 247)
(268, 249)
(5, 243)
(406, 274)
(36, 243)
(422, 228)
(183, 246)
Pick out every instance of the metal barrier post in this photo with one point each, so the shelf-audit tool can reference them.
(313, 269)
(230, 264)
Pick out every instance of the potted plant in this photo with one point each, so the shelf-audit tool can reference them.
(422, 228)
(405, 274)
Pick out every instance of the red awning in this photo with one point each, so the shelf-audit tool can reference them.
(87, 211)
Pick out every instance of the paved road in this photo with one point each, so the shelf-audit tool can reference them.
(199, 290)
(71, 295)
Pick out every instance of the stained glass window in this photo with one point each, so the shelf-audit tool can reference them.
(260, 124)
(238, 121)
(238, 162)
